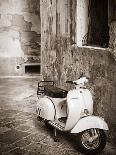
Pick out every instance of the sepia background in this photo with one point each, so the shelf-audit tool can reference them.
(54, 40)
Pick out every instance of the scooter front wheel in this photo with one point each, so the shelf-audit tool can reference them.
(92, 141)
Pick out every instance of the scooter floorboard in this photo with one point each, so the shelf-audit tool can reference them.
(58, 125)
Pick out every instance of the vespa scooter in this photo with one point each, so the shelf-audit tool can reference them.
(72, 111)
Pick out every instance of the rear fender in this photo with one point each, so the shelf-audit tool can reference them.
(46, 109)
(89, 122)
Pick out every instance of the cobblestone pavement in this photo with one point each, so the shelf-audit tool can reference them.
(20, 132)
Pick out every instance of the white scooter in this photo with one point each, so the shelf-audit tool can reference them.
(72, 111)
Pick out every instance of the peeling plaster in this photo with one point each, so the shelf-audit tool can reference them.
(35, 20)
(10, 44)
(5, 20)
(20, 32)
(12, 6)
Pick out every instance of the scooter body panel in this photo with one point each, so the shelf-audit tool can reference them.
(77, 101)
(89, 122)
(46, 109)
(60, 107)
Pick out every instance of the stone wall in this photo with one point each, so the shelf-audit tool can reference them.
(62, 60)
(112, 42)
(20, 33)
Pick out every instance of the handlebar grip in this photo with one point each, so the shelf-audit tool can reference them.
(69, 81)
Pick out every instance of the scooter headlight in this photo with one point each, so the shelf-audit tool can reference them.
(86, 111)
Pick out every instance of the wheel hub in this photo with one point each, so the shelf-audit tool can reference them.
(90, 139)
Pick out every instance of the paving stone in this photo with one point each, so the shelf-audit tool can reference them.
(8, 113)
(24, 95)
(57, 151)
(68, 141)
(14, 124)
(6, 121)
(4, 129)
(38, 130)
(109, 150)
(46, 150)
(12, 136)
(33, 153)
(22, 143)
(22, 133)
(36, 147)
(23, 128)
(35, 137)
(50, 142)
(32, 130)
(5, 147)
(24, 115)
(16, 151)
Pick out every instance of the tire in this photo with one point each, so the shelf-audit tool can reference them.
(91, 141)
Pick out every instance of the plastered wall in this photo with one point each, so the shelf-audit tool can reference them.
(62, 60)
(20, 33)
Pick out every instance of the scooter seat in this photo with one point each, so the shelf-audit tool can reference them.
(55, 92)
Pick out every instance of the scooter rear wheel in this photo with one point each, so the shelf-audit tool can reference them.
(92, 141)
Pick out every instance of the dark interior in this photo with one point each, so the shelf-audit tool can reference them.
(32, 69)
(98, 30)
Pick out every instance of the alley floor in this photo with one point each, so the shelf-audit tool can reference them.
(20, 131)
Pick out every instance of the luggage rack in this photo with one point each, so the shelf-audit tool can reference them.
(41, 87)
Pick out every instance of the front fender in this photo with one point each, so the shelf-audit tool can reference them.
(88, 123)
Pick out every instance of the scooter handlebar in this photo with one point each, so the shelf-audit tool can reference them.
(72, 82)
(82, 80)
(69, 81)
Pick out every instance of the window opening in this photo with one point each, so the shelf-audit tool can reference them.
(92, 23)
(32, 68)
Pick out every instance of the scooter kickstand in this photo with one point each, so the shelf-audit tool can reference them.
(55, 136)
